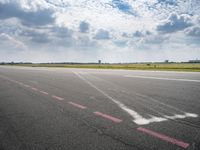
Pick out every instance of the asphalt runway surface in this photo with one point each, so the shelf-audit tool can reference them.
(90, 109)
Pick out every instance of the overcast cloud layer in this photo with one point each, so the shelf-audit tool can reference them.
(110, 30)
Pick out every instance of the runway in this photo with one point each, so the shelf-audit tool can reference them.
(61, 108)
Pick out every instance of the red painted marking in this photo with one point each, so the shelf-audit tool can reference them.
(26, 85)
(108, 117)
(17, 82)
(43, 92)
(12, 80)
(34, 89)
(77, 105)
(20, 83)
(164, 137)
(57, 97)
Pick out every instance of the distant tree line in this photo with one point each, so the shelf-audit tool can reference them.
(14, 63)
(79, 63)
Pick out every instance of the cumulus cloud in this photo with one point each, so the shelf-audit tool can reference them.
(168, 2)
(84, 26)
(138, 34)
(120, 43)
(102, 35)
(13, 42)
(62, 32)
(193, 31)
(141, 33)
(123, 7)
(36, 36)
(39, 17)
(175, 23)
(115, 30)
(155, 39)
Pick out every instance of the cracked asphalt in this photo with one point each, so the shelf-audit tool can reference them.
(71, 109)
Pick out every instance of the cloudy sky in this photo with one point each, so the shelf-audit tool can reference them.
(110, 30)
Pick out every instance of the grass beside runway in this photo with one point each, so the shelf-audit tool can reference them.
(192, 67)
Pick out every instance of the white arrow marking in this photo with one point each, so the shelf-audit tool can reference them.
(137, 118)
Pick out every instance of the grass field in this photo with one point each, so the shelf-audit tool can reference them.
(193, 67)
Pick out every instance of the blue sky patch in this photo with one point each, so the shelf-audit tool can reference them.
(123, 6)
(168, 2)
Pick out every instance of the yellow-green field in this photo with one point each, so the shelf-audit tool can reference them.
(142, 66)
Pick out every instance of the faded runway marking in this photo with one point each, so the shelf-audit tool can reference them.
(163, 137)
(157, 78)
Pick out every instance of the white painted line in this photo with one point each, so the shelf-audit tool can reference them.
(131, 112)
(178, 116)
(155, 100)
(137, 118)
(157, 78)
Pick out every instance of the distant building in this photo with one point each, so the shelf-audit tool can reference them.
(99, 62)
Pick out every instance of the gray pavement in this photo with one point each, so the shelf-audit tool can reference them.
(89, 109)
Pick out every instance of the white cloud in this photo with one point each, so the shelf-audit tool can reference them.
(175, 23)
(84, 26)
(11, 41)
(102, 35)
(193, 31)
(87, 30)
(31, 17)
